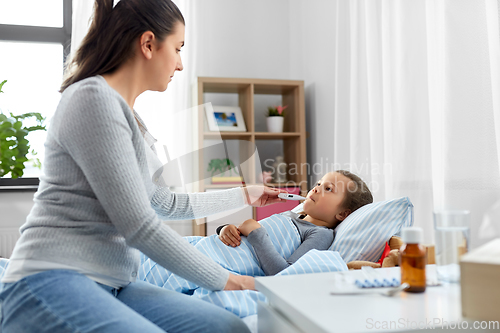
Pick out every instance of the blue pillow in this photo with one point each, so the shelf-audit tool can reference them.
(363, 234)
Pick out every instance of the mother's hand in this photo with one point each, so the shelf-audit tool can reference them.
(260, 196)
(240, 282)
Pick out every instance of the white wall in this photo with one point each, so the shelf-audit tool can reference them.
(278, 39)
(14, 207)
(244, 39)
(248, 39)
(312, 42)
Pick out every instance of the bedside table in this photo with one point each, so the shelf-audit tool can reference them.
(303, 303)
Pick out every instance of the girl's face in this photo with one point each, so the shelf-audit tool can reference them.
(168, 58)
(324, 201)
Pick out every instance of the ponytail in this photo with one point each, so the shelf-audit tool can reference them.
(112, 34)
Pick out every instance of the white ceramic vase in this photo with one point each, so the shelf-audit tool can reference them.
(275, 124)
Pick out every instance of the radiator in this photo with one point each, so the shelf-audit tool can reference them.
(8, 238)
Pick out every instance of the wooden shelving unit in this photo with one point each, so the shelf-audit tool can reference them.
(293, 136)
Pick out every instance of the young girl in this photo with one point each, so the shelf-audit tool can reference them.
(334, 197)
(75, 265)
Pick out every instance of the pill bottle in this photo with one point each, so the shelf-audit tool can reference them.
(412, 260)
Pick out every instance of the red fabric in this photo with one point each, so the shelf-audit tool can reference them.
(385, 253)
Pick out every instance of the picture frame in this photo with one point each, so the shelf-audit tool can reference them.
(225, 119)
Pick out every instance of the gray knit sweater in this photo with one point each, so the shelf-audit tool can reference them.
(96, 205)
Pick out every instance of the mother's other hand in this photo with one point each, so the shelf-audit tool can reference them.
(240, 282)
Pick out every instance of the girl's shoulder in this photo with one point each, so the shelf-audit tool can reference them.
(289, 214)
(319, 232)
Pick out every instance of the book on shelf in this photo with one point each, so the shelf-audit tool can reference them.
(227, 180)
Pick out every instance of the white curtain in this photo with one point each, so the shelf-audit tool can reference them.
(417, 104)
(168, 115)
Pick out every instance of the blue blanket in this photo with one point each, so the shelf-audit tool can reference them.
(3, 264)
(240, 260)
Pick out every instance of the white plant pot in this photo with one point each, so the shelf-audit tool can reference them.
(275, 124)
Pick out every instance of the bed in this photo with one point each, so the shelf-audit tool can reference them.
(362, 236)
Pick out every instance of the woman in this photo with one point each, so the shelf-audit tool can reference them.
(75, 265)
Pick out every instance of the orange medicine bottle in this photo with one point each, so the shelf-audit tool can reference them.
(413, 259)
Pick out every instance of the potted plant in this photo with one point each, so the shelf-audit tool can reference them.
(275, 118)
(13, 143)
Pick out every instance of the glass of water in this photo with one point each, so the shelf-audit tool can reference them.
(452, 233)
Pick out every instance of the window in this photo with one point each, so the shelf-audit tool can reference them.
(34, 38)
(47, 13)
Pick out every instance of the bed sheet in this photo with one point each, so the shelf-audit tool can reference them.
(242, 260)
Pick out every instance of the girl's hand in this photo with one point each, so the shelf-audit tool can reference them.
(260, 196)
(230, 235)
(240, 282)
(248, 226)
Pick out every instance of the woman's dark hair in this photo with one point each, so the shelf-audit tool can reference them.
(358, 194)
(110, 40)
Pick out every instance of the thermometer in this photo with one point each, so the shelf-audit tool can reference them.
(288, 196)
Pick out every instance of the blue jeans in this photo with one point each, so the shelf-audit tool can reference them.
(59, 301)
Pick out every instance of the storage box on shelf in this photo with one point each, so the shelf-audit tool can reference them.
(241, 146)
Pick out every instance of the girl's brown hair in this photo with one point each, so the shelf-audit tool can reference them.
(358, 194)
(110, 40)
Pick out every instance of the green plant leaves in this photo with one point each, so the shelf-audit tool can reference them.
(37, 115)
(21, 133)
(7, 132)
(13, 143)
(9, 122)
(9, 144)
(35, 128)
(1, 85)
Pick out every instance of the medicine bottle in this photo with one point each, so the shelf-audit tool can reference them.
(412, 260)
